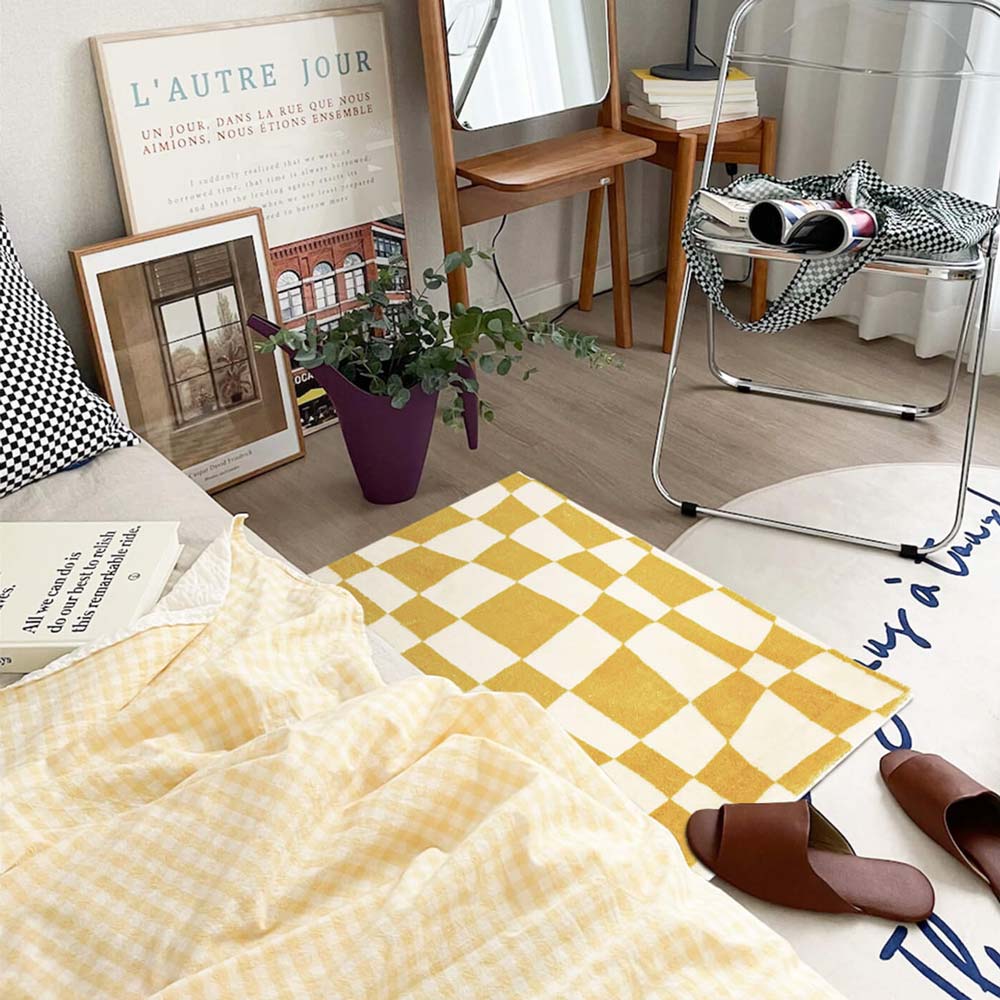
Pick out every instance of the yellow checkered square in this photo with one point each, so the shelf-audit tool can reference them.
(685, 693)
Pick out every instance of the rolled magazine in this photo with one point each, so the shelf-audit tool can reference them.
(814, 227)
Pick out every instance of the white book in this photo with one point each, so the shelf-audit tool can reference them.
(63, 584)
(637, 95)
(690, 121)
(737, 83)
(732, 212)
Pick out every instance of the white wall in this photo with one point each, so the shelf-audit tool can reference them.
(57, 184)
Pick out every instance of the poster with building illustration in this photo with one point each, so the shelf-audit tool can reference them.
(293, 115)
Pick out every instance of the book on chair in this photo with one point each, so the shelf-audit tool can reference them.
(63, 584)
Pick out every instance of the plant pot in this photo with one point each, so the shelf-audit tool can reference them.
(388, 447)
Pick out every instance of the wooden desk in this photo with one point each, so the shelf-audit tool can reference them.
(511, 180)
(749, 141)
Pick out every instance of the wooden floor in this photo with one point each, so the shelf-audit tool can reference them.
(590, 434)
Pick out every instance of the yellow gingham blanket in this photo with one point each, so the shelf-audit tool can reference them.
(229, 803)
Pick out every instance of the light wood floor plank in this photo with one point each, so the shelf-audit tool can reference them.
(590, 435)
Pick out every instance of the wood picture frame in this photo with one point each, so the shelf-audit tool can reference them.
(167, 314)
(296, 114)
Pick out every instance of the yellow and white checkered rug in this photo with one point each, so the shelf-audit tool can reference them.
(684, 693)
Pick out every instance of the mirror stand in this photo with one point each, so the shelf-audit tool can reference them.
(521, 177)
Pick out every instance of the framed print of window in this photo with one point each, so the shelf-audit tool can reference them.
(306, 129)
(206, 353)
(168, 313)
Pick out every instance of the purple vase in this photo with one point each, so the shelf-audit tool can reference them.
(388, 447)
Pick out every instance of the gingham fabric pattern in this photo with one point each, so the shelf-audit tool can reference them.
(919, 221)
(232, 805)
(49, 420)
(684, 693)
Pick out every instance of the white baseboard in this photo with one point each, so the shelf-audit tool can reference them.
(560, 293)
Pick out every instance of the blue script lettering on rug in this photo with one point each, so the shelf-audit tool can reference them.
(952, 948)
(955, 561)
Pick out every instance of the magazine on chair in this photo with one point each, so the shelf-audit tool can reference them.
(63, 584)
(813, 227)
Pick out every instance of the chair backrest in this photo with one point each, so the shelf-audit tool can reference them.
(926, 47)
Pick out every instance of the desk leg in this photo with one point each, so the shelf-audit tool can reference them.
(622, 291)
(591, 244)
(768, 157)
(681, 189)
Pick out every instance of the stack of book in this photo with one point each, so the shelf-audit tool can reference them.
(684, 104)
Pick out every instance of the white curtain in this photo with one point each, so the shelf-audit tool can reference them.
(915, 130)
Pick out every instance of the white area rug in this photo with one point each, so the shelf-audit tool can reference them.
(932, 626)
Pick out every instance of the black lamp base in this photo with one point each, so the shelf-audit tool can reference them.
(681, 71)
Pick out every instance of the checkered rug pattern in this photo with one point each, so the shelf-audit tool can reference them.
(684, 693)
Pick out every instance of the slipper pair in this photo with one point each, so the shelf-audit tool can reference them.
(789, 853)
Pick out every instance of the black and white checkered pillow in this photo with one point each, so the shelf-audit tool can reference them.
(49, 420)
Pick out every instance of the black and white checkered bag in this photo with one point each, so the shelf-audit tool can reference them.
(919, 221)
(49, 419)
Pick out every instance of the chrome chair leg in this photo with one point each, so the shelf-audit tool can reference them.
(906, 411)
(907, 550)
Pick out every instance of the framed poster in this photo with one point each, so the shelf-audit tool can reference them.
(292, 114)
(168, 313)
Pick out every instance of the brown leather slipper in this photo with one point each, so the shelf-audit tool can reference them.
(789, 853)
(953, 809)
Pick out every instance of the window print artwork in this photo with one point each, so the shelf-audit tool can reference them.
(387, 247)
(291, 304)
(324, 285)
(354, 275)
(390, 249)
(207, 357)
(320, 278)
(169, 315)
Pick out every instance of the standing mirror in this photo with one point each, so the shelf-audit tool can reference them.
(516, 59)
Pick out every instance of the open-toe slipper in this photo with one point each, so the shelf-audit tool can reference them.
(789, 853)
(953, 809)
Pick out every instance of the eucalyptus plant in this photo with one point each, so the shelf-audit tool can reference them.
(392, 348)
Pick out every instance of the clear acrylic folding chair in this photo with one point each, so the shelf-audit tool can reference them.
(976, 268)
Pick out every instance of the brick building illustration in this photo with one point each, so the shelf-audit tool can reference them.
(322, 276)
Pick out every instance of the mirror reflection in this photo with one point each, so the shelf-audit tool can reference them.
(516, 59)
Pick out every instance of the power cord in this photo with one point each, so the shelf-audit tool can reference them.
(641, 283)
(703, 56)
(572, 305)
(499, 273)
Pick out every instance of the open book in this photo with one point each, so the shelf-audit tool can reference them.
(817, 228)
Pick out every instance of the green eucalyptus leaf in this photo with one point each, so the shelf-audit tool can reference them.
(453, 262)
